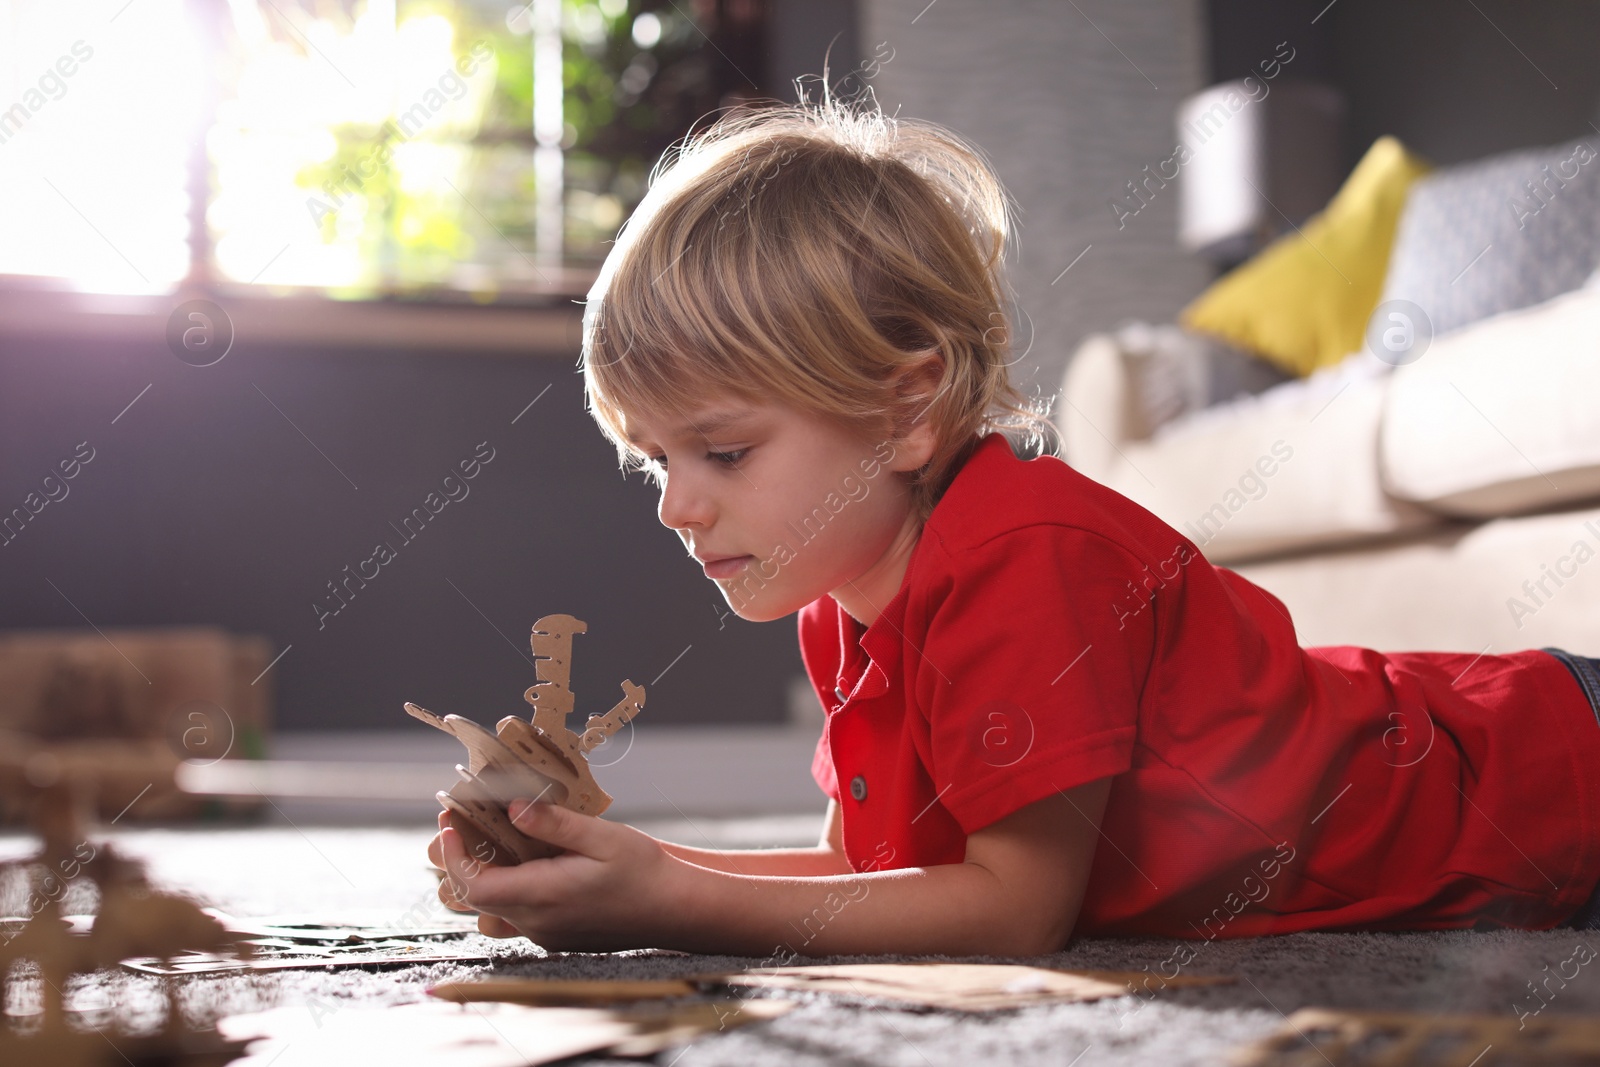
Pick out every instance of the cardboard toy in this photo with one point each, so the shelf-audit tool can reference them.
(1422, 1039)
(55, 786)
(542, 760)
(199, 692)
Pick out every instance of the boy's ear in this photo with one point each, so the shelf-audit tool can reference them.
(917, 385)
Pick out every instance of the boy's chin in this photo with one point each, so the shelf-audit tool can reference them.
(761, 611)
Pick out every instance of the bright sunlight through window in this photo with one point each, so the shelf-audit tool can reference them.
(359, 148)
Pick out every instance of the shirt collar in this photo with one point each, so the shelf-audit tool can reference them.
(884, 640)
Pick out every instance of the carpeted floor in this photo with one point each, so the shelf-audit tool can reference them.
(274, 869)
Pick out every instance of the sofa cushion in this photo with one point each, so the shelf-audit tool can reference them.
(1304, 301)
(1290, 468)
(1499, 418)
(1501, 585)
(1496, 234)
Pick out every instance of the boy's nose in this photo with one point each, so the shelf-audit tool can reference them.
(682, 504)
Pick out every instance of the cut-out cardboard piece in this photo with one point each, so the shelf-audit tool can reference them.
(484, 749)
(601, 727)
(552, 700)
(509, 783)
(535, 749)
(489, 836)
(542, 760)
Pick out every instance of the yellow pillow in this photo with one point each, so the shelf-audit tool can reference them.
(1303, 302)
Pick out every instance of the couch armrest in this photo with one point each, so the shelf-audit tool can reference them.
(1097, 412)
(1126, 385)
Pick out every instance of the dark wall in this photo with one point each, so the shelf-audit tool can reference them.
(1454, 81)
(204, 505)
(802, 35)
(1458, 81)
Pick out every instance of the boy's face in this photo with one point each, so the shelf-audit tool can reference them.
(780, 506)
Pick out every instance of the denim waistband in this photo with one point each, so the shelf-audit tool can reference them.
(1583, 669)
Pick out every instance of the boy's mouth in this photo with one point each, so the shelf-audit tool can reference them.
(726, 567)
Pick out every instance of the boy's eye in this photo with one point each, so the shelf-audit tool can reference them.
(725, 458)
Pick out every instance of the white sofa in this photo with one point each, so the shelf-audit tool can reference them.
(1452, 502)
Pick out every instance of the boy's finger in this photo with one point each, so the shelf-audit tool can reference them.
(494, 926)
(478, 884)
(449, 896)
(554, 825)
(461, 870)
(452, 890)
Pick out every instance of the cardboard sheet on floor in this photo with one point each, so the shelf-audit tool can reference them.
(565, 992)
(961, 986)
(303, 942)
(276, 955)
(351, 925)
(1423, 1039)
(957, 986)
(475, 1035)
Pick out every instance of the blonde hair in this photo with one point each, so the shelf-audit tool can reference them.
(803, 254)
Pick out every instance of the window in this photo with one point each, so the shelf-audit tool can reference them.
(364, 148)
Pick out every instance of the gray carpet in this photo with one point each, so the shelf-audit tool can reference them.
(272, 869)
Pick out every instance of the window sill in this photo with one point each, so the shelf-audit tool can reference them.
(36, 312)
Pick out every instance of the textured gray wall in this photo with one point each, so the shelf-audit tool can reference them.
(1070, 101)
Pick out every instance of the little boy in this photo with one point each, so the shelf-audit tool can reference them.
(1048, 713)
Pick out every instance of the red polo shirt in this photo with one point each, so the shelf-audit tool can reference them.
(1050, 632)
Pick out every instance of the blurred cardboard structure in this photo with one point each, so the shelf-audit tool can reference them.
(201, 690)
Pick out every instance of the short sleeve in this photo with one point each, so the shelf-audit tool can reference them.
(1038, 644)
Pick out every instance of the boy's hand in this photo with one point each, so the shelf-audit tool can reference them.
(608, 891)
(487, 924)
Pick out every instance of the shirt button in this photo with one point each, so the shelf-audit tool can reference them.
(858, 787)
